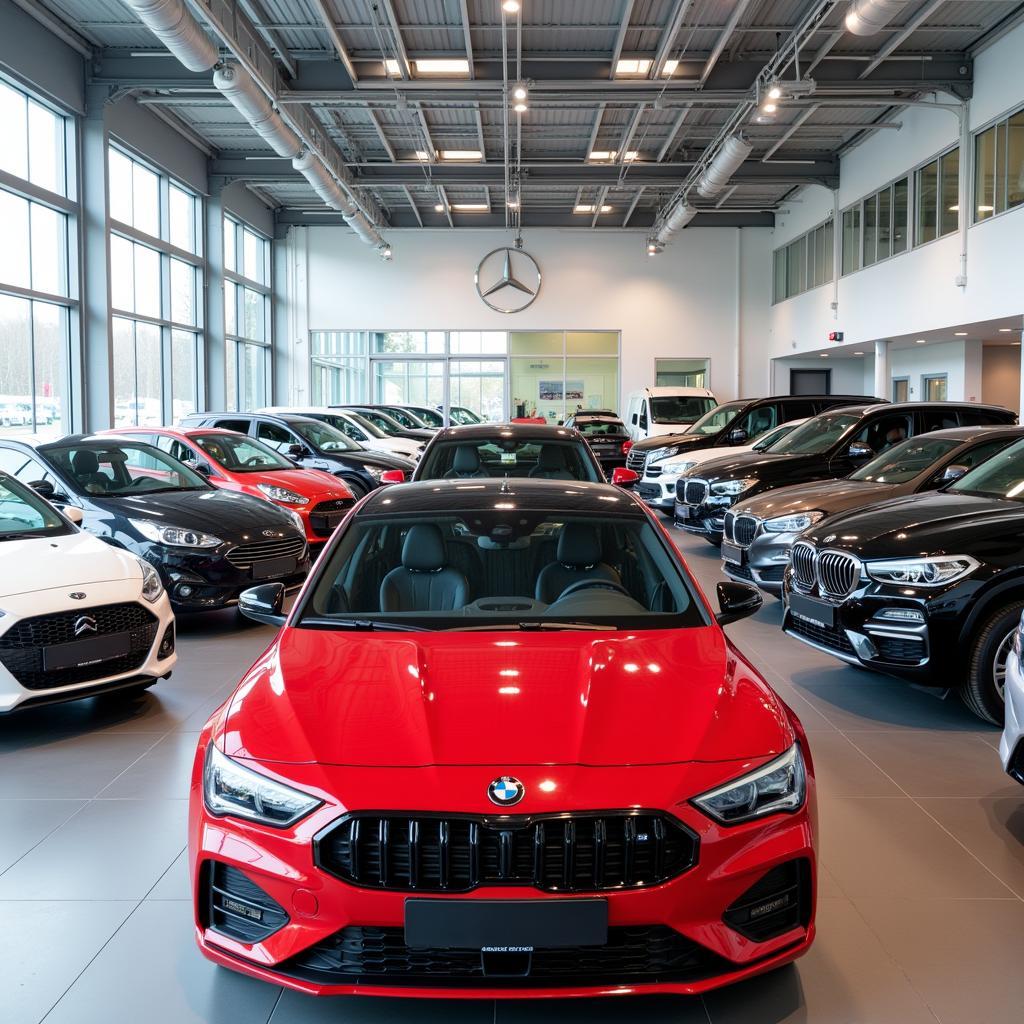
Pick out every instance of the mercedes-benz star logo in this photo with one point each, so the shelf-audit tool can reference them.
(85, 624)
(505, 791)
(508, 280)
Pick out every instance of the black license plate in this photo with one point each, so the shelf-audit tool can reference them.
(273, 567)
(80, 653)
(501, 926)
(733, 553)
(813, 610)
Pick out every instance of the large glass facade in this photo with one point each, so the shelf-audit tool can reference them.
(247, 315)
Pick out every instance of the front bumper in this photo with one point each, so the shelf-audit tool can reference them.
(685, 912)
(763, 562)
(705, 520)
(657, 492)
(1011, 744)
(321, 519)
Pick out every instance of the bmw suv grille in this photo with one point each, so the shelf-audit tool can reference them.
(834, 572)
(695, 492)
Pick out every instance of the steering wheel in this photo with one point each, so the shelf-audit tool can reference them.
(594, 584)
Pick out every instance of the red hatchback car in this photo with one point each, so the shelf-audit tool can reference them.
(502, 747)
(235, 462)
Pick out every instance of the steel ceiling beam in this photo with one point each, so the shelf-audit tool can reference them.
(403, 57)
(739, 9)
(620, 36)
(320, 6)
(902, 36)
(668, 36)
(255, 9)
(467, 37)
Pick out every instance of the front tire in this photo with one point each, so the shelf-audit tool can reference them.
(982, 690)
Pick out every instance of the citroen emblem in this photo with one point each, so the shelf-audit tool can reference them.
(507, 280)
(85, 624)
(505, 791)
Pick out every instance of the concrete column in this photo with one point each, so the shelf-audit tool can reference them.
(97, 356)
(215, 381)
(972, 371)
(883, 377)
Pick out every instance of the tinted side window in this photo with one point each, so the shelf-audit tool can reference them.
(240, 426)
(277, 437)
(977, 455)
(938, 419)
(983, 417)
(643, 414)
(758, 420)
(795, 409)
(882, 432)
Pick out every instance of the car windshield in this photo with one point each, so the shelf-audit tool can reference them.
(502, 568)
(406, 418)
(240, 454)
(1001, 476)
(463, 417)
(774, 436)
(371, 428)
(905, 461)
(510, 456)
(429, 417)
(817, 435)
(324, 437)
(600, 428)
(387, 423)
(679, 408)
(717, 419)
(24, 514)
(122, 468)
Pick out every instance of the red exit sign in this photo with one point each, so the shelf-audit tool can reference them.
(835, 335)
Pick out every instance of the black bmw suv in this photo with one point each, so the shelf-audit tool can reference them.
(929, 588)
(830, 445)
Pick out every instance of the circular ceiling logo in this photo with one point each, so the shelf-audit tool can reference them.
(508, 280)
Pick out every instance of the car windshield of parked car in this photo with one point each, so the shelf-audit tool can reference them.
(23, 514)
(361, 421)
(406, 419)
(501, 568)
(600, 428)
(717, 419)
(679, 409)
(1001, 476)
(508, 457)
(429, 417)
(122, 469)
(240, 454)
(324, 437)
(773, 437)
(905, 461)
(817, 435)
(463, 417)
(387, 423)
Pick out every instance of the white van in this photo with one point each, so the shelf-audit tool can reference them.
(651, 412)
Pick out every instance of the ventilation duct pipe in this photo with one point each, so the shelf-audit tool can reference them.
(239, 87)
(866, 17)
(363, 228)
(724, 165)
(680, 215)
(171, 22)
(311, 168)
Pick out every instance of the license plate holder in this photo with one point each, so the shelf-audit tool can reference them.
(813, 610)
(733, 553)
(273, 567)
(684, 511)
(505, 926)
(90, 651)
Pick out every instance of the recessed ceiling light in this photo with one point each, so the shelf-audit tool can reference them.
(443, 66)
(920, 341)
(392, 67)
(422, 155)
(438, 207)
(470, 207)
(520, 91)
(668, 69)
(590, 207)
(602, 154)
(520, 107)
(633, 66)
(775, 92)
(769, 107)
(462, 154)
(631, 155)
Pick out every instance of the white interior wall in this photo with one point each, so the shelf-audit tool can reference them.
(1000, 375)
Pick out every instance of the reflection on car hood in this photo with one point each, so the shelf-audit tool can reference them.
(757, 464)
(406, 700)
(828, 496)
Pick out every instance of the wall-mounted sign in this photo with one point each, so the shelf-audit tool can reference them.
(507, 280)
(835, 335)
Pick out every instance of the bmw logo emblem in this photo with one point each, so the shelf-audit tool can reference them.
(505, 791)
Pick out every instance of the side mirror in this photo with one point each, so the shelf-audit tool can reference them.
(392, 476)
(953, 472)
(623, 477)
(74, 514)
(738, 436)
(264, 603)
(198, 467)
(295, 451)
(44, 489)
(858, 450)
(737, 601)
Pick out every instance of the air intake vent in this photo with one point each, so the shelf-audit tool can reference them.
(238, 907)
(781, 900)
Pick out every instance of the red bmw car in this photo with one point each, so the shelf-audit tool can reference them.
(235, 462)
(502, 747)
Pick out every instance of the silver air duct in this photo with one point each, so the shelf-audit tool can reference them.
(363, 228)
(866, 17)
(309, 165)
(679, 216)
(174, 26)
(723, 166)
(239, 87)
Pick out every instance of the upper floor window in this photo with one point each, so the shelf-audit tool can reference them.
(937, 197)
(35, 141)
(247, 315)
(804, 263)
(999, 167)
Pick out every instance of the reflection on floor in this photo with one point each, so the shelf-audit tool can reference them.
(921, 915)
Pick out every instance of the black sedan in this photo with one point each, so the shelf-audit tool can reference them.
(207, 544)
(607, 436)
(928, 588)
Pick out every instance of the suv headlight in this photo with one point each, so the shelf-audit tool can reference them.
(780, 785)
(229, 788)
(275, 493)
(152, 585)
(667, 452)
(792, 524)
(677, 468)
(175, 536)
(731, 487)
(921, 572)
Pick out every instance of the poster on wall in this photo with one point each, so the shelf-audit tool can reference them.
(553, 390)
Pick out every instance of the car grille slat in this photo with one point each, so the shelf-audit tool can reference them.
(838, 573)
(803, 561)
(745, 529)
(578, 852)
(636, 461)
(695, 492)
(244, 556)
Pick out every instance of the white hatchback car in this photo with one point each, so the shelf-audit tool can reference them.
(1011, 746)
(78, 617)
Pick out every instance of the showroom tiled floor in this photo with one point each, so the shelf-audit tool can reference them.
(921, 914)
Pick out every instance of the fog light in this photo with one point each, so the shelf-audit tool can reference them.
(901, 615)
(167, 643)
(184, 590)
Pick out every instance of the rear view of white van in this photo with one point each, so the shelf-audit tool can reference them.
(651, 412)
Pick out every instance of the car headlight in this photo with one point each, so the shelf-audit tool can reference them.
(780, 785)
(152, 585)
(731, 487)
(230, 788)
(659, 454)
(922, 572)
(792, 524)
(677, 468)
(297, 520)
(275, 493)
(175, 536)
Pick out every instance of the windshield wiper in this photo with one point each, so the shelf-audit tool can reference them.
(24, 535)
(530, 626)
(369, 625)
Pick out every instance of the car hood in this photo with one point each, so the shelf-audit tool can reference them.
(926, 524)
(382, 460)
(756, 464)
(684, 441)
(314, 484)
(68, 562)
(828, 496)
(412, 700)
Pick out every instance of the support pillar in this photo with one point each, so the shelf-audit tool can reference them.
(215, 361)
(883, 377)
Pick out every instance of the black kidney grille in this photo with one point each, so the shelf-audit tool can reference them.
(803, 560)
(695, 492)
(744, 529)
(838, 573)
(561, 853)
(238, 907)
(361, 955)
(244, 556)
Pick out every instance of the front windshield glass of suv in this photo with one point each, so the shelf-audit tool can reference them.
(122, 469)
(324, 437)
(508, 457)
(679, 409)
(406, 418)
(717, 419)
(371, 428)
(464, 417)
(773, 437)
(23, 514)
(1001, 476)
(429, 417)
(817, 435)
(387, 423)
(502, 568)
(905, 461)
(240, 454)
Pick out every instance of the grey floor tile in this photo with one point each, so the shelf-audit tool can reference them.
(164, 771)
(110, 850)
(963, 955)
(609, 1010)
(28, 822)
(296, 1008)
(842, 770)
(174, 883)
(44, 946)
